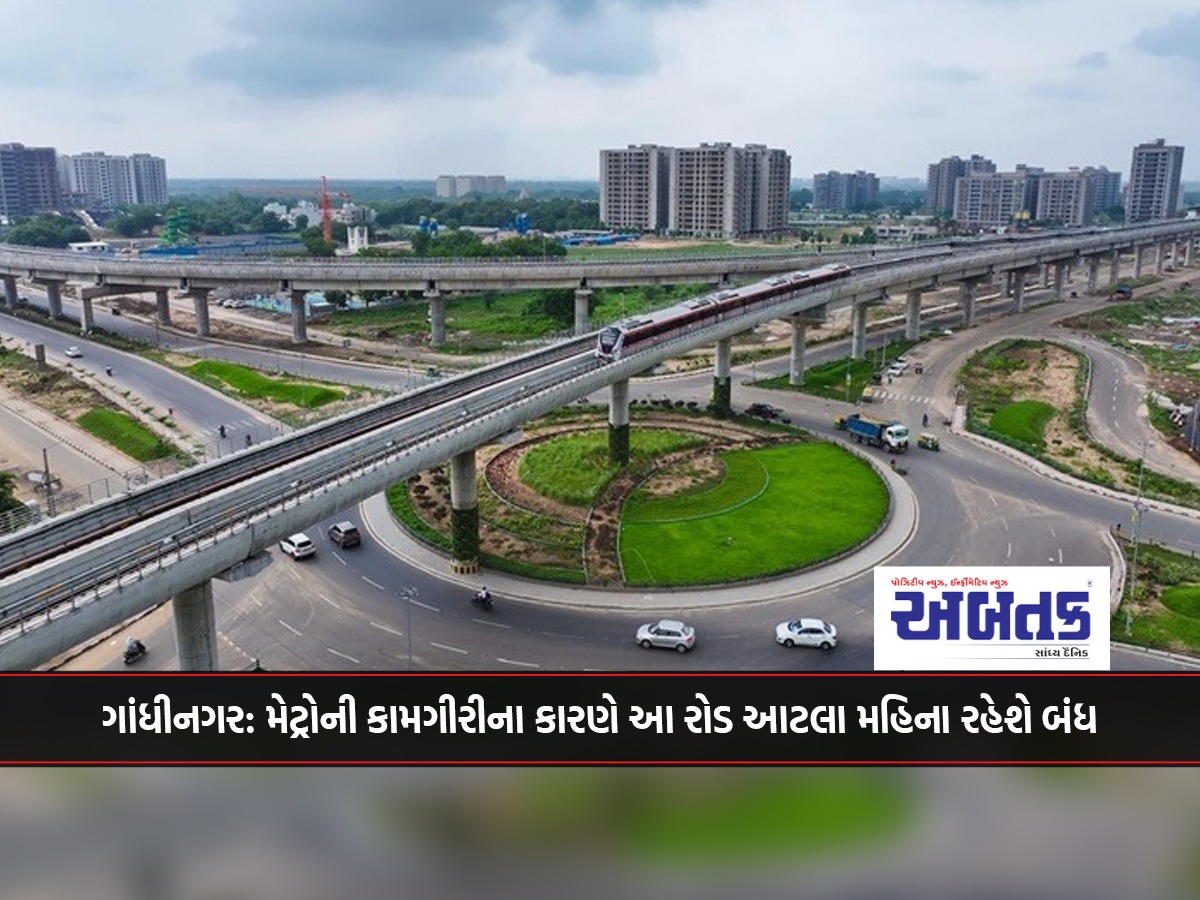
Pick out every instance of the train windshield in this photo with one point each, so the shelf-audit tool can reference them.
(608, 339)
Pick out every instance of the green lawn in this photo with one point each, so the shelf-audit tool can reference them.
(573, 468)
(1024, 421)
(781, 508)
(829, 379)
(247, 382)
(126, 434)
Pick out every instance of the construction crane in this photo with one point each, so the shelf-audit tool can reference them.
(327, 209)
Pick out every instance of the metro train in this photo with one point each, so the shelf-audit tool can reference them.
(664, 324)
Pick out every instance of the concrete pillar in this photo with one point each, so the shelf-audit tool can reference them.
(464, 514)
(1019, 290)
(437, 317)
(1060, 272)
(1044, 275)
(87, 316)
(195, 628)
(11, 296)
(299, 317)
(912, 315)
(1114, 267)
(796, 363)
(722, 395)
(1008, 283)
(162, 303)
(583, 299)
(966, 296)
(1093, 272)
(54, 298)
(1160, 255)
(1187, 251)
(200, 308)
(618, 422)
(1137, 262)
(858, 330)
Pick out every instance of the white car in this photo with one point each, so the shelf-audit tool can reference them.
(298, 546)
(73, 352)
(667, 633)
(806, 633)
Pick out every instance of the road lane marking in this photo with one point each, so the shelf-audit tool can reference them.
(289, 627)
(493, 624)
(374, 584)
(342, 655)
(995, 502)
(1053, 533)
(424, 605)
(388, 630)
(1004, 522)
(447, 647)
(1008, 555)
(1060, 556)
(517, 662)
(559, 634)
(338, 557)
(330, 602)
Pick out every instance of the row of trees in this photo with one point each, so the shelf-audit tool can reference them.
(47, 231)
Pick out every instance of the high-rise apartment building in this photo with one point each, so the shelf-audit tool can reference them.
(97, 179)
(635, 187)
(715, 190)
(28, 180)
(844, 191)
(939, 186)
(1075, 197)
(1105, 188)
(1155, 182)
(996, 199)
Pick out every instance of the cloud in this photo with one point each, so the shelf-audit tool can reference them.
(1097, 59)
(313, 47)
(1059, 90)
(921, 70)
(1179, 38)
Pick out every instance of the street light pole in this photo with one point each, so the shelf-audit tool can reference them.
(47, 482)
(409, 593)
(1138, 508)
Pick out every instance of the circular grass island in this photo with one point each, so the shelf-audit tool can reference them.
(701, 502)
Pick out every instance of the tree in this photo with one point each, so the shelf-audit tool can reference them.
(337, 298)
(301, 222)
(47, 231)
(315, 243)
(8, 488)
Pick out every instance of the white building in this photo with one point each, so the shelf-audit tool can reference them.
(97, 179)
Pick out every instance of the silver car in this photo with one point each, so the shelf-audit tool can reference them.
(806, 633)
(668, 633)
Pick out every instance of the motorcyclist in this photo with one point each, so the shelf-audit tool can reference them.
(134, 647)
(221, 430)
(483, 596)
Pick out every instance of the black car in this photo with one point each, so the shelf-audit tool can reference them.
(345, 534)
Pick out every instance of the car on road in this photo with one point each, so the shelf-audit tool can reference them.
(298, 546)
(345, 534)
(73, 352)
(667, 633)
(806, 633)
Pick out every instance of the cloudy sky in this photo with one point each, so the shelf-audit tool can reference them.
(534, 88)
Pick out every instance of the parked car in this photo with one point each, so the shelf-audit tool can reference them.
(298, 546)
(73, 352)
(806, 633)
(667, 633)
(345, 534)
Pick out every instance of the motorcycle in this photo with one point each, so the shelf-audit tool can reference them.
(132, 656)
(483, 600)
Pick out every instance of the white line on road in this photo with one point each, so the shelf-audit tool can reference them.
(446, 647)
(327, 600)
(1008, 555)
(374, 584)
(289, 627)
(559, 634)
(1053, 533)
(338, 557)
(493, 624)
(388, 630)
(995, 503)
(1004, 522)
(517, 662)
(1060, 556)
(342, 655)
(424, 605)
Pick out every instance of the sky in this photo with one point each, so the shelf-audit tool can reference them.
(534, 89)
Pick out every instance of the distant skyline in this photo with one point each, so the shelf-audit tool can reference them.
(534, 89)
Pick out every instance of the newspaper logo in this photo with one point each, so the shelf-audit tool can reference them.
(1027, 618)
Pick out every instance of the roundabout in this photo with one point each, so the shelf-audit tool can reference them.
(702, 502)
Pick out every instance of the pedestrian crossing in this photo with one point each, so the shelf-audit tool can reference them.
(884, 394)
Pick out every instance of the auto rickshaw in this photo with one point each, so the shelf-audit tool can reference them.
(929, 441)
(919, 368)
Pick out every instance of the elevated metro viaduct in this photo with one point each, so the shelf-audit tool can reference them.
(106, 577)
(196, 277)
